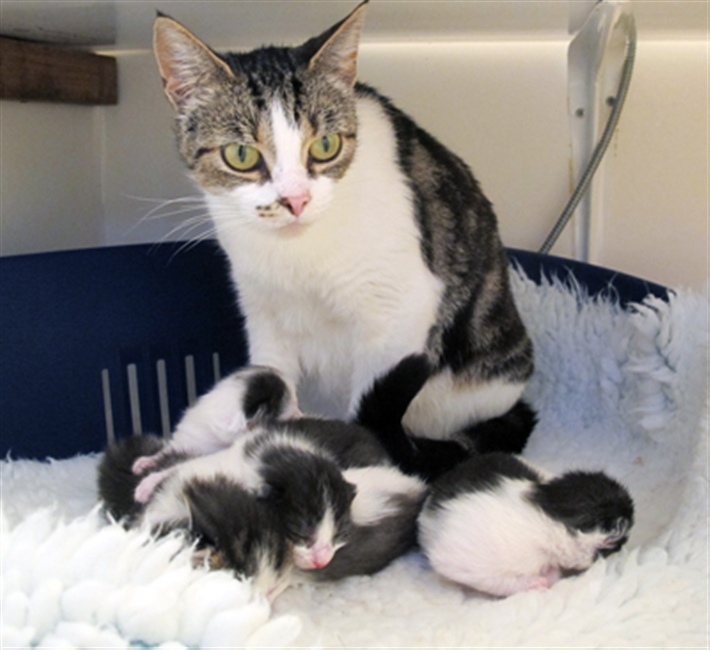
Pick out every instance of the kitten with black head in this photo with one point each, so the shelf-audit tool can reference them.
(384, 522)
(239, 532)
(498, 525)
(247, 397)
(355, 238)
(234, 528)
(299, 478)
(313, 499)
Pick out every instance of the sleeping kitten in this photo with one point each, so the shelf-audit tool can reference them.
(239, 532)
(233, 528)
(384, 522)
(299, 480)
(251, 396)
(236, 403)
(355, 238)
(308, 490)
(496, 524)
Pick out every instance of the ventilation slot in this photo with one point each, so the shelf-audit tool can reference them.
(159, 409)
(108, 409)
(216, 369)
(134, 398)
(190, 380)
(164, 403)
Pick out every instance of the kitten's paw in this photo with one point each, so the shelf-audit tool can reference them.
(517, 584)
(144, 464)
(144, 490)
(552, 575)
(539, 583)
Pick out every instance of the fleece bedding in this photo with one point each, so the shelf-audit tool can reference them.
(621, 390)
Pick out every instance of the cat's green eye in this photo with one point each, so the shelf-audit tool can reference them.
(325, 148)
(241, 157)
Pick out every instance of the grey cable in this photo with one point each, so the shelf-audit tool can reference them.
(602, 145)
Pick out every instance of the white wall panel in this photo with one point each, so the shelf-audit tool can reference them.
(50, 177)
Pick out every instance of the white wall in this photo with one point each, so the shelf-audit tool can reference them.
(50, 177)
(75, 176)
(656, 221)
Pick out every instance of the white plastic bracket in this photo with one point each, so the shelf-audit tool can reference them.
(595, 59)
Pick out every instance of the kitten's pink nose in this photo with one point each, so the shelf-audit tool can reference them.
(296, 203)
(322, 554)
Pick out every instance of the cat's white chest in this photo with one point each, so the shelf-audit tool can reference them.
(347, 295)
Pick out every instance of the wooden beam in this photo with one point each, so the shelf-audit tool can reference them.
(48, 73)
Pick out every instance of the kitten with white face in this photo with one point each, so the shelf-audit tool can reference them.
(355, 238)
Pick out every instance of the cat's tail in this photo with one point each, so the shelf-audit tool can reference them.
(508, 432)
(384, 405)
(381, 411)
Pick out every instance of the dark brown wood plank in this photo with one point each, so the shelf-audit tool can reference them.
(48, 73)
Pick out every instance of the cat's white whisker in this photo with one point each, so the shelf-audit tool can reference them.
(177, 212)
(190, 202)
(189, 226)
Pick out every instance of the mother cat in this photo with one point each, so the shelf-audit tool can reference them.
(354, 237)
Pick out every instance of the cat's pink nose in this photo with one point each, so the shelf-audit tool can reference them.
(296, 203)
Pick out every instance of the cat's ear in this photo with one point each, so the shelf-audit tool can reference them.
(336, 58)
(191, 71)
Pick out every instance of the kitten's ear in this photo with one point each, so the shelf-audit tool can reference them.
(336, 57)
(190, 70)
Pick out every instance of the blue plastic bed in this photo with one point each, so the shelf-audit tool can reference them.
(107, 342)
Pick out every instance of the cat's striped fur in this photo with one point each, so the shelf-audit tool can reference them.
(345, 266)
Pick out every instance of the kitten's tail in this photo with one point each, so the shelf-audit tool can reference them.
(381, 411)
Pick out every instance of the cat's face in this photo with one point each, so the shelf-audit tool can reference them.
(266, 134)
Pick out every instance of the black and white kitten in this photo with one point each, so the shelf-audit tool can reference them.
(238, 531)
(491, 520)
(355, 238)
(497, 524)
(240, 401)
(383, 521)
(233, 528)
(298, 479)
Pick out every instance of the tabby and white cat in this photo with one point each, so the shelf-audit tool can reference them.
(355, 238)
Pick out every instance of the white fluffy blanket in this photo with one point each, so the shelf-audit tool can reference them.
(623, 391)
